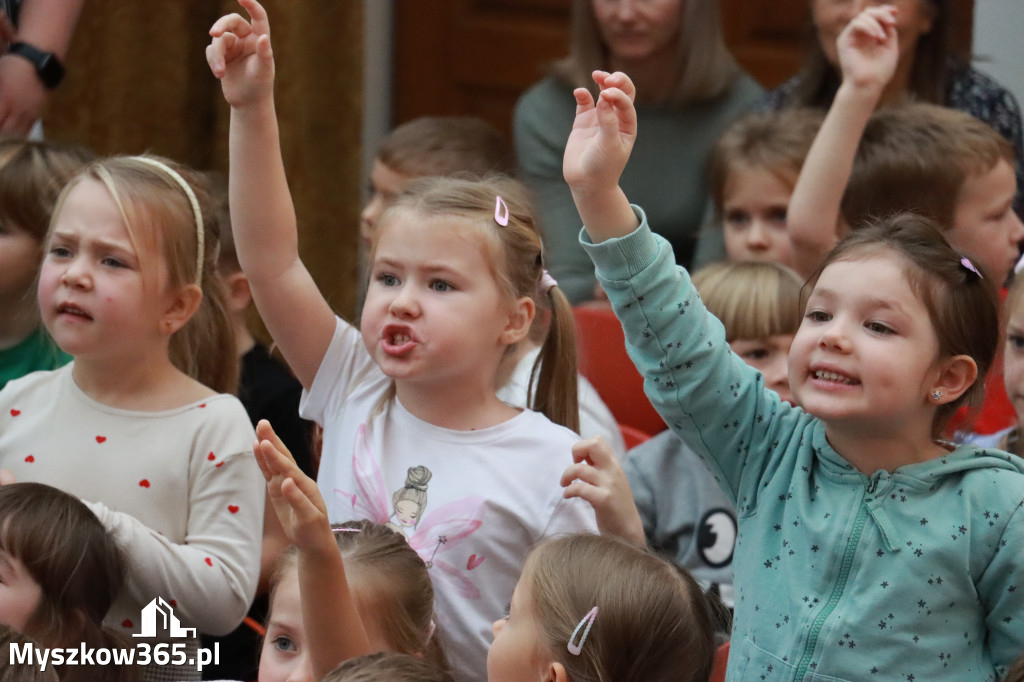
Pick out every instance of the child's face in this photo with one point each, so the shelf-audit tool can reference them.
(19, 593)
(93, 296)
(433, 310)
(285, 657)
(754, 207)
(19, 263)
(985, 224)
(866, 354)
(639, 31)
(769, 356)
(1013, 358)
(516, 653)
(385, 183)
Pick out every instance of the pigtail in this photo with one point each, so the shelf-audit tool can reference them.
(555, 394)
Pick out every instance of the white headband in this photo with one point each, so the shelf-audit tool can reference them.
(200, 232)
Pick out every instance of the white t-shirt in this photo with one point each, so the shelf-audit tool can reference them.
(488, 496)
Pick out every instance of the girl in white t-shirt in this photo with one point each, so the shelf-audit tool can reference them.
(455, 277)
(135, 426)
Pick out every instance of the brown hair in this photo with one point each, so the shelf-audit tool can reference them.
(776, 142)
(390, 581)
(962, 306)
(753, 300)
(652, 623)
(517, 262)
(28, 672)
(936, 60)
(916, 157)
(445, 145)
(32, 175)
(158, 214)
(387, 666)
(704, 67)
(76, 563)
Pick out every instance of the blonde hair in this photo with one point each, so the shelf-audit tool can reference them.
(444, 145)
(652, 623)
(30, 672)
(32, 175)
(704, 67)
(158, 214)
(390, 581)
(517, 262)
(775, 141)
(387, 666)
(753, 300)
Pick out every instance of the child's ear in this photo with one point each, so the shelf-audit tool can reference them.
(519, 320)
(956, 375)
(238, 292)
(182, 306)
(555, 673)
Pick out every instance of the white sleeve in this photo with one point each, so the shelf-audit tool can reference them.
(345, 364)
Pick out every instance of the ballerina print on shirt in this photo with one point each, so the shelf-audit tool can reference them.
(434, 536)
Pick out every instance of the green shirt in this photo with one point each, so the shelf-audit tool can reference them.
(36, 352)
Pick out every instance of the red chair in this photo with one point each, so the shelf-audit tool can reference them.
(633, 436)
(601, 352)
(718, 667)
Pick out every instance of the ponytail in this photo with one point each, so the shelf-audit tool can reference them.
(555, 394)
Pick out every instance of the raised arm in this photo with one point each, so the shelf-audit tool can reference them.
(597, 477)
(262, 214)
(329, 614)
(596, 153)
(868, 53)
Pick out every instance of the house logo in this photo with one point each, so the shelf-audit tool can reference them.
(160, 611)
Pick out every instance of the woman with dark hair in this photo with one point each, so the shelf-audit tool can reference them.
(689, 88)
(930, 69)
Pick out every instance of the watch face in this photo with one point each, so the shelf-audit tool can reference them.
(50, 70)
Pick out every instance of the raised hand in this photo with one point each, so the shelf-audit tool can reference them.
(239, 55)
(602, 134)
(868, 48)
(297, 501)
(597, 478)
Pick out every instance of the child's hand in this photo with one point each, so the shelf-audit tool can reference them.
(868, 48)
(240, 56)
(295, 497)
(597, 478)
(602, 134)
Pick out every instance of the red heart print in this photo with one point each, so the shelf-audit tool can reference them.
(15, 413)
(100, 439)
(233, 508)
(474, 561)
(30, 459)
(211, 457)
(127, 623)
(209, 561)
(173, 602)
(144, 483)
(220, 464)
(202, 404)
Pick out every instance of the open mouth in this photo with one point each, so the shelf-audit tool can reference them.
(835, 377)
(72, 309)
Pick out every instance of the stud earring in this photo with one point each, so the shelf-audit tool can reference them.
(936, 395)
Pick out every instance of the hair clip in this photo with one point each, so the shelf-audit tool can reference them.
(499, 217)
(968, 265)
(547, 282)
(588, 620)
(342, 529)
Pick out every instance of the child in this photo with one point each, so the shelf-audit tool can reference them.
(938, 162)
(31, 176)
(387, 666)
(593, 607)
(456, 268)
(856, 524)
(684, 513)
(10, 641)
(60, 571)
(1013, 370)
(752, 170)
(375, 595)
(430, 146)
(128, 288)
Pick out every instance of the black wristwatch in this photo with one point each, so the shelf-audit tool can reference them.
(48, 67)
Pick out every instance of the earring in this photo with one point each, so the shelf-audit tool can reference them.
(936, 395)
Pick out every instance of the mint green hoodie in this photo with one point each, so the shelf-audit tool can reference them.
(917, 574)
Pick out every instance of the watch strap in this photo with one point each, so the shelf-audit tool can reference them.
(48, 67)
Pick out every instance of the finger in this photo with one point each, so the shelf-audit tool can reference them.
(618, 114)
(261, 461)
(264, 431)
(221, 50)
(304, 509)
(583, 490)
(584, 100)
(264, 51)
(7, 477)
(260, 23)
(583, 472)
(595, 450)
(622, 82)
(231, 23)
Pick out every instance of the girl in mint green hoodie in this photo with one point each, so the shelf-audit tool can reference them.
(868, 548)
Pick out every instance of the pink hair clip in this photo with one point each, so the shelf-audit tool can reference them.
(966, 262)
(499, 217)
(588, 620)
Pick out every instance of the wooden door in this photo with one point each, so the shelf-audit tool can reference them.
(475, 57)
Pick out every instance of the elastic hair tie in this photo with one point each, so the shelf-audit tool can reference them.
(499, 217)
(430, 630)
(588, 620)
(966, 263)
(196, 212)
(547, 282)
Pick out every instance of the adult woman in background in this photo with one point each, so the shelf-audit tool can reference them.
(930, 69)
(688, 89)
